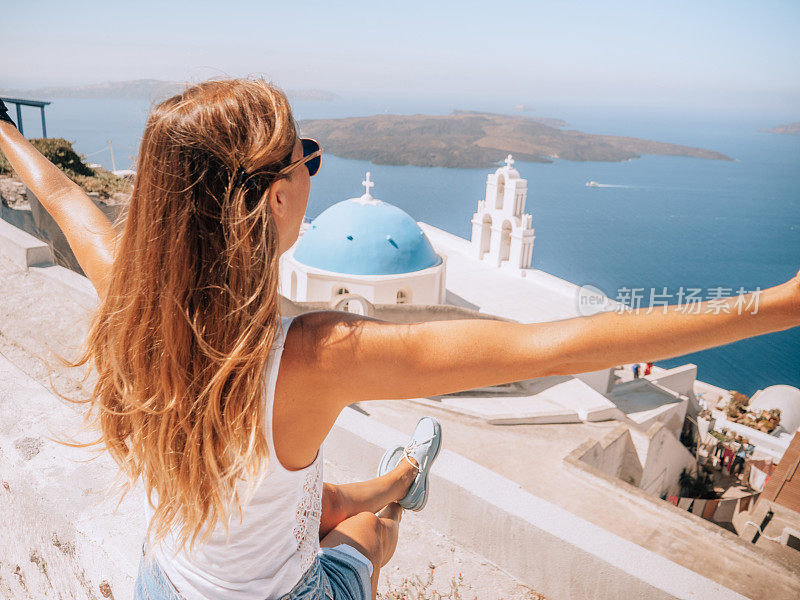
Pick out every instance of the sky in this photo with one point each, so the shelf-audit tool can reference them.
(720, 55)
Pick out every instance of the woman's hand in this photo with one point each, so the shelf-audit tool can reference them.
(4, 114)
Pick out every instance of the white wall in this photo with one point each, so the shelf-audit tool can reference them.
(651, 461)
(315, 285)
(615, 455)
(600, 381)
(783, 397)
(666, 458)
(671, 415)
(680, 379)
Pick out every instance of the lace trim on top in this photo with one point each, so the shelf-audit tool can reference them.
(307, 516)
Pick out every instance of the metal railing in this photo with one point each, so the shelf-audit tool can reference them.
(19, 103)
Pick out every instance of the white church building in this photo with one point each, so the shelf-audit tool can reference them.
(502, 233)
(364, 247)
(368, 248)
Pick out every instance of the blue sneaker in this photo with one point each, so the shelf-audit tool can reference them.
(390, 460)
(424, 446)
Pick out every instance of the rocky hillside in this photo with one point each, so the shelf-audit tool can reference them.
(789, 129)
(468, 139)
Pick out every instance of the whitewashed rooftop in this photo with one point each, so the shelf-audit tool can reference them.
(536, 297)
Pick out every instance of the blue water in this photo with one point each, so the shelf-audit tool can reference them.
(673, 222)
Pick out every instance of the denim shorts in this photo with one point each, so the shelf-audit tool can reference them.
(340, 573)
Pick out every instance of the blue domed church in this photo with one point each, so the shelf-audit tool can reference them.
(364, 247)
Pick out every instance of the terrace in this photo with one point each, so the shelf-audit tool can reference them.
(514, 526)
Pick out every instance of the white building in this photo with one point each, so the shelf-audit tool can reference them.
(772, 445)
(364, 247)
(502, 234)
(786, 398)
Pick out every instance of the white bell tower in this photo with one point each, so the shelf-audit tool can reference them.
(502, 234)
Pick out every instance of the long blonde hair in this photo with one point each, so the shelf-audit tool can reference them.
(180, 339)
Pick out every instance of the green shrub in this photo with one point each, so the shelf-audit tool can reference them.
(700, 486)
(738, 404)
(59, 152)
(104, 182)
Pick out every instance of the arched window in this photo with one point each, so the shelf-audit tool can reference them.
(486, 234)
(505, 241)
(501, 191)
(355, 304)
(341, 291)
(403, 296)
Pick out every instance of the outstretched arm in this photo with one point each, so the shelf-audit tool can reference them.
(349, 358)
(88, 231)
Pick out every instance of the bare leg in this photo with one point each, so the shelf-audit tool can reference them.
(340, 502)
(375, 536)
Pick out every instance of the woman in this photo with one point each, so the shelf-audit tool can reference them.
(221, 406)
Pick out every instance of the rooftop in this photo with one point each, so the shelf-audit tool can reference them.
(365, 236)
(537, 297)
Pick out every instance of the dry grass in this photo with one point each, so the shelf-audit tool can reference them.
(418, 588)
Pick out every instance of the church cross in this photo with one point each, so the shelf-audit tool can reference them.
(368, 184)
(509, 161)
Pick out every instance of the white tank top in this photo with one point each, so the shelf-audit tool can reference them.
(275, 542)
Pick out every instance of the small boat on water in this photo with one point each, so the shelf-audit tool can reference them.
(592, 184)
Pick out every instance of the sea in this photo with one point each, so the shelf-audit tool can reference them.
(662, 225)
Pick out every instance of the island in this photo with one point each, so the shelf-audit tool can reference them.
(151, 89)
(474, 140)
(790, 129)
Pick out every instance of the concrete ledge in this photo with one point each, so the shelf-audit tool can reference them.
(68, 278)
(22, 248)
(557, 553)
(590, 405)
(513, 410)
(21, 218)
(640, 498)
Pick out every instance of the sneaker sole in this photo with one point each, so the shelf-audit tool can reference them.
(426, 470)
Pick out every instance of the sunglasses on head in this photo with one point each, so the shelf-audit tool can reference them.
(312, 158)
